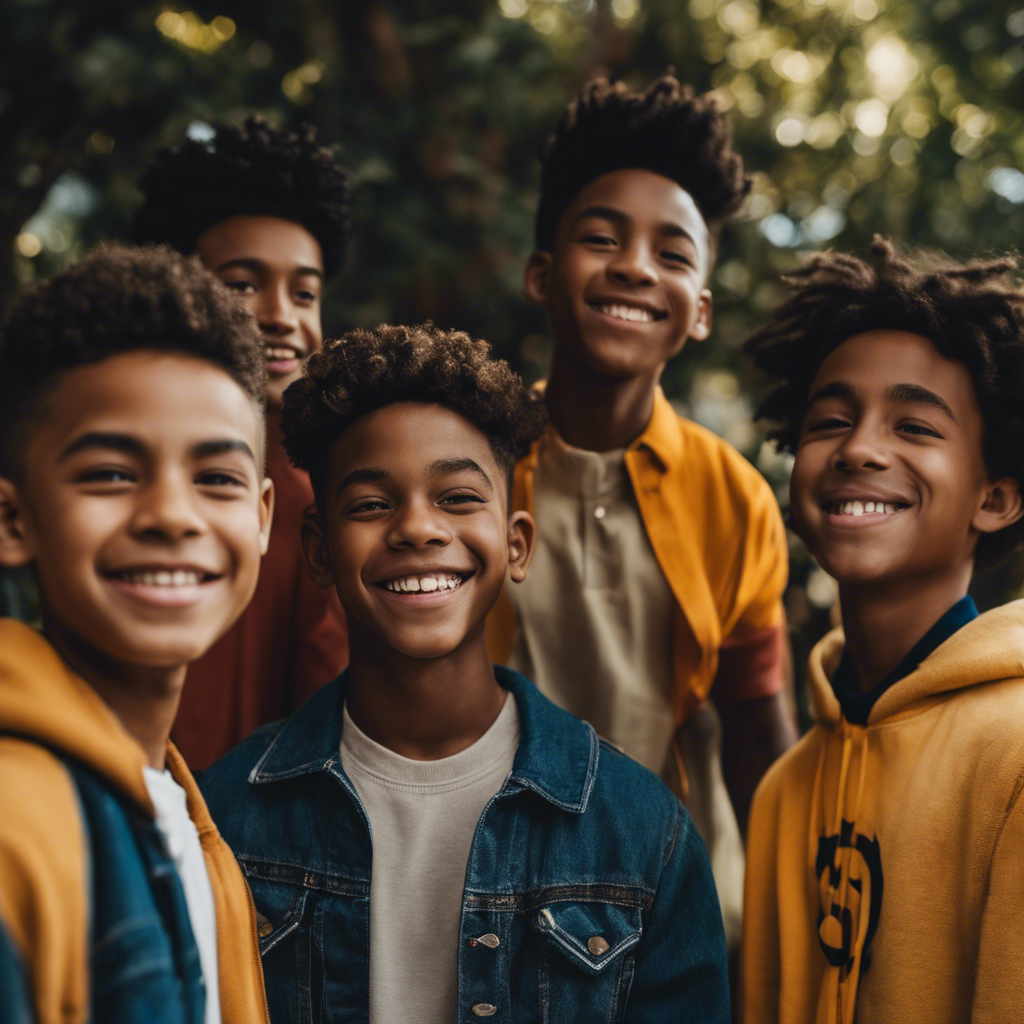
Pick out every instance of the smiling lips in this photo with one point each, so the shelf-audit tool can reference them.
(629, 311)
(425, 583)
(163, 587)
(862, 508)
(282, 359)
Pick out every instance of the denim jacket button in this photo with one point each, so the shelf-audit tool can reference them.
(266, 929)
(485, 1010)
(598, 945)
(490, 940)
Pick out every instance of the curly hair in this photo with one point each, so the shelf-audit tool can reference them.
(251, 169)
(114, 300)
(366, 370)
(666, 129)
(971, 312)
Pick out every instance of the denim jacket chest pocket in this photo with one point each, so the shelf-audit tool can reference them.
(586, 960)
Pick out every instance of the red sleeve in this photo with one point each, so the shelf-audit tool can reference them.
(751, 664)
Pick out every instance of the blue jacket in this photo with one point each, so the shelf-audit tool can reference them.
(580, 842)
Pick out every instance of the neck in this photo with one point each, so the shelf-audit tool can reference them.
(144, 698)
(598, 413)
(881, 627)
(421, 708)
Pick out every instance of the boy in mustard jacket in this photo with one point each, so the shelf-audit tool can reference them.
(885, 857)
(131, 480)
(661, 556)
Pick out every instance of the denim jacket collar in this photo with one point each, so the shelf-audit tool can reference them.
(557, 756)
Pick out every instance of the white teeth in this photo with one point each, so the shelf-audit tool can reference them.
(281, 353)
(162, 578)
(634, 313)
(425, 584)
(857, 508)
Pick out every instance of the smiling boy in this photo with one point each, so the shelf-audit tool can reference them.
(886, 849)
(660, 550)
(429, 838)
(131, 453)
(266, 211)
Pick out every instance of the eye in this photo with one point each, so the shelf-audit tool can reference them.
(463, 498)
(681, 258)
(826, 423)
(367, 507)
(106, 475)
(242, 287)
(598, 239)
(918, 429)
(219, 478)
(306, 296)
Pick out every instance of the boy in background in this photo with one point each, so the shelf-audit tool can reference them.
(661, 555)
(885, 856)
(266, 211)
(509, 874)
(131, 480)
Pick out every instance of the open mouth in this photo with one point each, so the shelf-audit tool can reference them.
(163, 577)
(633, 314)
(282, 359)
(862, 508)
(426, 583)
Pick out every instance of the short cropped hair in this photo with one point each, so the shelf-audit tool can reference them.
(971, 312)
(666, 129)
(246, 170)
(119, 299)
(366, 370)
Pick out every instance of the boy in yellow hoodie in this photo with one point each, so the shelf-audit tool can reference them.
(885, 864)
(131, 480)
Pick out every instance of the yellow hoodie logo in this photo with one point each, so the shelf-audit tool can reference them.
(849, 869)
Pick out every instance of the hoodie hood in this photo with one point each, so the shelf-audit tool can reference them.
(43, 700)
(986, 649)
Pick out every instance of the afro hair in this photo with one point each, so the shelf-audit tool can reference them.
(667, 130)
(114, 300)
(366, 370)
(972, 313)
(247, 170)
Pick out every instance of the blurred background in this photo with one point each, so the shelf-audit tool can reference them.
(854, 117)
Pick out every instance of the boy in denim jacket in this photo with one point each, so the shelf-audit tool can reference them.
(429, 838)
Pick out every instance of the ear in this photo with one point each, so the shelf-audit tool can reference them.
(314, 549)
(522, 533)
(702, 324)
(536, 276)
(266, 512)
(1002, 506)
(15, 537)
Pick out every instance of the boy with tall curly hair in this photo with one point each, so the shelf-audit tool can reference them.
(131, 481)
(885, 857)
(266, 211)
(429, 838)
(660, 550)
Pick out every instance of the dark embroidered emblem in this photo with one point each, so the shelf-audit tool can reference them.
(842, 898)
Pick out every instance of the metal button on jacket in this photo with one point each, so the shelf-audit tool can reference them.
(490, 940)
(485, 1009)
(598, 945)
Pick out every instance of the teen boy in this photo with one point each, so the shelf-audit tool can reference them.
(429, 838)
(266, 211)
(886, 849)
(660, 550)
(131, 447)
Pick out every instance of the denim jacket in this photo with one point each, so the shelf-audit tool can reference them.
(588, 894)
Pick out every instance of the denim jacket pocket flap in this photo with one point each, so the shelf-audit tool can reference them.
(590, 935)
(271, 932)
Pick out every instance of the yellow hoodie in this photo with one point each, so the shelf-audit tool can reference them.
(885, 863)
(43, 858)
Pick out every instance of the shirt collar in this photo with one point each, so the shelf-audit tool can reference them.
(661, 435)
(557, 755)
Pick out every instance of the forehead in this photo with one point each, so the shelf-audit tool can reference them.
(874, 361)
(644, 197)
(407, 438)
(166, 400)
(269, 240)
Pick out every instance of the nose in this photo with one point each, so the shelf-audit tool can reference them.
(861, 448)
(275, 311)
(419, 524)
(167, 509)
(633, 264)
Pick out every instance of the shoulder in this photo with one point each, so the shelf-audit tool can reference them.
(721, 464)
(226, 781)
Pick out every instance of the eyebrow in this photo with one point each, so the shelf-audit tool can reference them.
(894, 393)
(445, 466)
(619, 217)
(255, 265)
(369, 475)
(129, 445)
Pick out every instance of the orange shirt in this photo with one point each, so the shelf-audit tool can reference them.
(717, 533)
(286, 645)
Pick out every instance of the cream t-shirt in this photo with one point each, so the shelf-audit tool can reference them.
(423, 815)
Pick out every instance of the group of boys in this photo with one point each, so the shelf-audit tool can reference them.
(429, 836)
